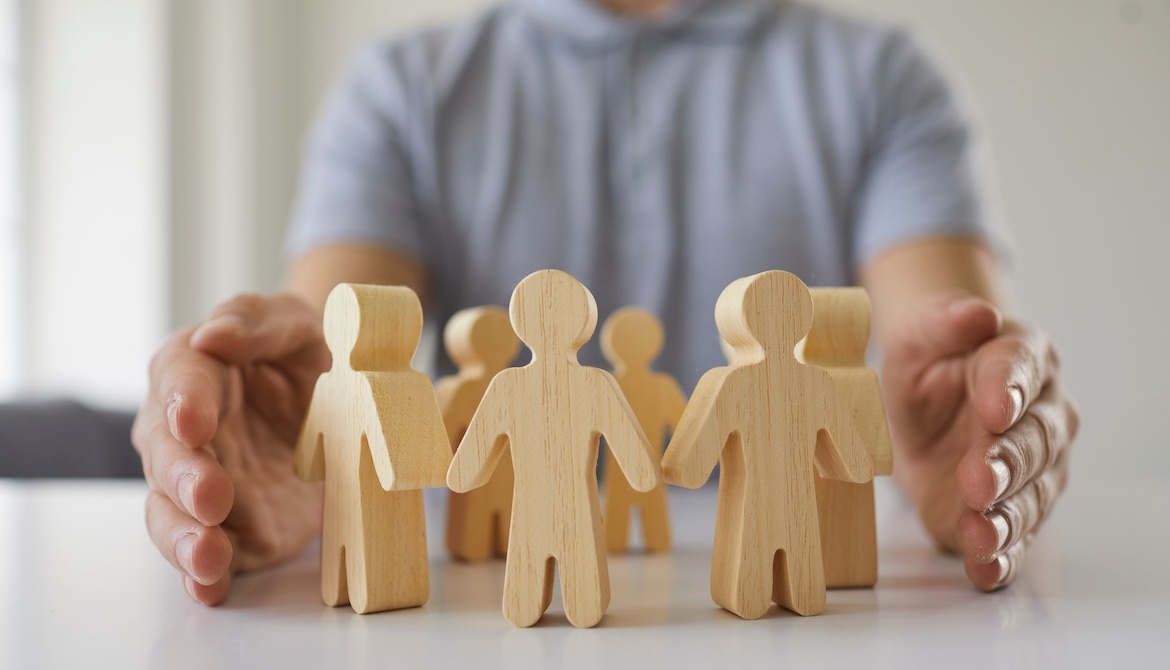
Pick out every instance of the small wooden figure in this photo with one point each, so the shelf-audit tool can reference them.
(837, 343)
(631, 339)
(374, 434)
(767, 418)
(551, 414)
(480, 341)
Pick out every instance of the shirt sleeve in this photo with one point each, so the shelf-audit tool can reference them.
(356, 184)
(921, 178)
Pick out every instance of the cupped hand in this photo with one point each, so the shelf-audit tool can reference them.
(982, 428)
(216, 435)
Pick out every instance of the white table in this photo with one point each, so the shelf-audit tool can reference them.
(81, 586)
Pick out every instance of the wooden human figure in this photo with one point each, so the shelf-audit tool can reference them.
(631, 339)
(837, 343)
(766, 418)
(551, 414)
(374, 434)
(481, 342)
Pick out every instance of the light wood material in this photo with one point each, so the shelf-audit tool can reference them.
(837, 343)
(767, 418)
(551, 413)
(481, 343)
(631, 339)
(374, 434)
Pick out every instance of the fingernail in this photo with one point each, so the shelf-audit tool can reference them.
(1002, 529)
(185, 552)
(189, 584)
(1003, 476)
(173, 414)
(226, 323)
(1005, 572)
(187, 492)
(1017, 400)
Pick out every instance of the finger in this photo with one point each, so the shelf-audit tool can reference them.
(948, 324)
(188, 388)
(193, 479)
(1008, 373)
(1002, 571)
(208, 595)
(203, 553)
(983, 537)
(1001, 465)
(250, 328)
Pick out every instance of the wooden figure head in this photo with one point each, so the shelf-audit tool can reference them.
(553, 313)
(481, 340)
(631, 338)
(840, 330)
(377, 326)
(764, 315)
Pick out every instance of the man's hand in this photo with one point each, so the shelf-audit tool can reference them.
(216, 435)
(982, 428)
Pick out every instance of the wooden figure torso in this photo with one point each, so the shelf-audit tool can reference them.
(769, 420)
(631, 339)
(551, 414)
(374, 434)
(481, 342)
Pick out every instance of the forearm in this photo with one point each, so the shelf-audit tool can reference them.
(312, 276)
(899, 279)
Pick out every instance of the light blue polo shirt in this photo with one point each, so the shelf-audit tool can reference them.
(656, 159)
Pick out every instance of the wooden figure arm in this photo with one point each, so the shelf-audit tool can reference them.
(479, 452)
(699, 438)
(841, 452)
(626, 439)
(309, 456)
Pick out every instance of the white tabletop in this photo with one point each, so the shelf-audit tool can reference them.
(81, 584)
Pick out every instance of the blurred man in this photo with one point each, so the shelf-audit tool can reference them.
(657, 150)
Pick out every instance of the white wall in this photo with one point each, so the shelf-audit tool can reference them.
(95, 191)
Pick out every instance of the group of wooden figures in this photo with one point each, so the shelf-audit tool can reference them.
(795, 421)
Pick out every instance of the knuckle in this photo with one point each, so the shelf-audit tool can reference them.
(246, 305)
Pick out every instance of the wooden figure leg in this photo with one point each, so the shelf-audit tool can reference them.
(387, 565)
(618, 495)
(799, 576)
(848, 533)
(655, 519)
(502, 485)
(528, 583)
(584, 584)
(499, 521)
(333, 587)
(469, 536)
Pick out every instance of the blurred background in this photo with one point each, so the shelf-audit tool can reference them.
(149, 152)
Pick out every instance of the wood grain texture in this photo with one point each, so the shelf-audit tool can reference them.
(837, 343)
(551, 413)
(480, 342)
(374, 434)
(767, 419)
(631, 339)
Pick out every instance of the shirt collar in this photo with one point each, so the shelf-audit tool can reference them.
(586, 23)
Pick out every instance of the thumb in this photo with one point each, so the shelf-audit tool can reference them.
(943, 325)
(251, 328)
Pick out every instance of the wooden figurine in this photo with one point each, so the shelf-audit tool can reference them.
(374, 434)
(837, 343)
(480, 342)
(551, 413)
(631, 339)
(767, 419)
